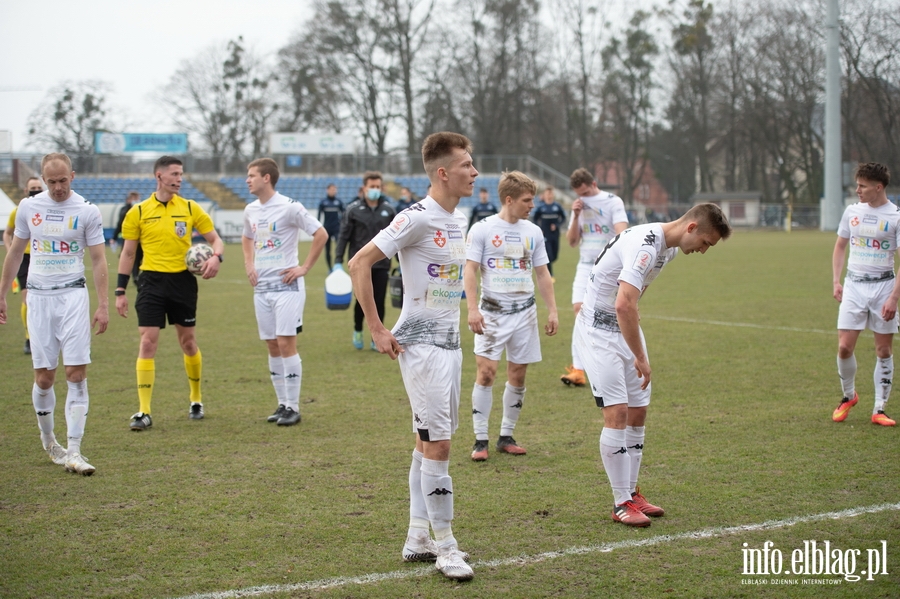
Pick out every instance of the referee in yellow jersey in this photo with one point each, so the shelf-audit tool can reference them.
(163, 225)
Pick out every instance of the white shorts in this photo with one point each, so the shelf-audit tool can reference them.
(579, 285)
(861, 307)
(609, 366)
(59, 321)
(517, 333)
(432, 376)
(279, 313)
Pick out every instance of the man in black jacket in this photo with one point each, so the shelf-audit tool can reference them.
(362, 220)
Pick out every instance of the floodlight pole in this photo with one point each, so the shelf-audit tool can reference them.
(832, 207)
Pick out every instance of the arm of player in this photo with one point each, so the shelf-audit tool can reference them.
(249, 260)
(837, 266)
(573, 234)
(126, 262)
(889, 309)
(629, 323)
(211, 266)
(290, 275)
(470, 284)
(14, 253)
(101, 286)
(361, 274)
(619, 227)
(545, 287)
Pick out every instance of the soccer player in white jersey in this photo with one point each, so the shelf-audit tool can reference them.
(870, 291)
(506, 249)
(430, 239)
(609, 339)
(597, 216)
(272, 225)
(59, 224)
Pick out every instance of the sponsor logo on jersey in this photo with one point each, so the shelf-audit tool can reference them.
(73, 222)
(268, 244)
(497, 241)
(883, 225)
(439, 239)
(451, 235)
(594, 228)
(509, 263)
(867, 242)
(36, 219)
(46, 246)
(870, 219)
(453, 272)
(57, 218)
(650, 239)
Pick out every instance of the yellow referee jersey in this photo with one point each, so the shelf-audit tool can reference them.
(11, 226)
(164, 230)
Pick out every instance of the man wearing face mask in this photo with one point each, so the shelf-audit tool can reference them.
(33, 186)
(406, 199)
(362, 220)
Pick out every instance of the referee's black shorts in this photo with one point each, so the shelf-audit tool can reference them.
(166, 294)
(22, 275)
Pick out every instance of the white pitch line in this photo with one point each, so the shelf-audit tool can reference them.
(706, 533)
(747, 325)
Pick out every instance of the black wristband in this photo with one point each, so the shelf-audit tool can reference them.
(119, 292)
(122, 281)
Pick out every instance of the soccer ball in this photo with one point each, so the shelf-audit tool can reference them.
(197, 256)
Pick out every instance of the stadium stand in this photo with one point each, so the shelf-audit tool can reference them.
(101, 190)
(309, 191)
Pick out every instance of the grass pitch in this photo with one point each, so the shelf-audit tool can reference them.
(742, 345)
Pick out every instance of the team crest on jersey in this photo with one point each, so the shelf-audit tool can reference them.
(180, 228)
(854, 221)
(497, 241)
(36, 219)
(439, 239)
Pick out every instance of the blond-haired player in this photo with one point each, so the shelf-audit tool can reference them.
(508, 251)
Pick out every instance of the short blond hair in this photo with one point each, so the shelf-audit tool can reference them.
(48, 158)
(514, 184)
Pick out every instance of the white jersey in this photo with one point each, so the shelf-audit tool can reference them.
(507, 253)
(59, 233)
(432, 248)
(596, 221)
(275, 229)
(874, 235)
(635, 256)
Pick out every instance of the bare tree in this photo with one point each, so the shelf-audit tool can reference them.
(627, 95)
(69, 116)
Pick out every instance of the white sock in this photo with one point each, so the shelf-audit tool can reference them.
(437, 487)
(44, 401)
(616, 462)
(293, 375)
(276, 367)
(884, 374)
(576, 361)
(76, 414)
(634, 443)
(513, 397)
(482, 401)
(418, 513)
(847, 372)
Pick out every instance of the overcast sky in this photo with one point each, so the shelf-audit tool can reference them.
(135, 46)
